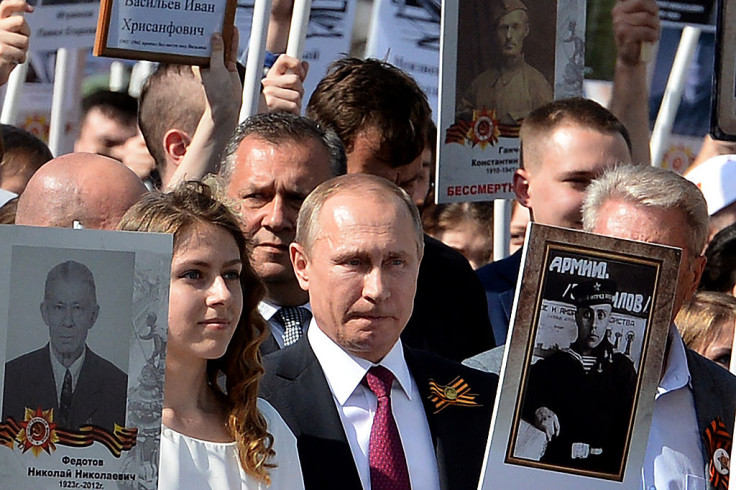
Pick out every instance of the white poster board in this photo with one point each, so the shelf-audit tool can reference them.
(328, 36)
(590, 322)
(486, 93)
(63, 24)
(407, 35)
(107, 435)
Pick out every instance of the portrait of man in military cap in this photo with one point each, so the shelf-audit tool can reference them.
(582, 396)
(511, 87)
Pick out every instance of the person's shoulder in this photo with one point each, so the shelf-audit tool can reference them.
(276, 424)
(488, 361)
(286, 365)
(700, 366)
(434, 364)
(436, 251)
(502, 274)
(30, 358)
(102, 367)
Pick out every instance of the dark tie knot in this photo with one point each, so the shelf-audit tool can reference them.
(379, 381)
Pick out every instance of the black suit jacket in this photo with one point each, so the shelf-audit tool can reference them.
(296, 386)
(99, 397)
(714, 393)
(450, 315)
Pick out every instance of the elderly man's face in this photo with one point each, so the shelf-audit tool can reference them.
(511, 30)
(592, 323)
(361, 272)
(69, 309)
(654, 225)
(269, 183)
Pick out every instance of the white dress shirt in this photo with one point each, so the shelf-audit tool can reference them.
(60, 371)
(674, 454)
(268, 310)
(356, 405)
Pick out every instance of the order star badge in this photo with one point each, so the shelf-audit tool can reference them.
(38, 431)
(718, 446)
(457, 392)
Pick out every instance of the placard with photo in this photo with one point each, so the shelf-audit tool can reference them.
(590, 323)
(84, 320)
(169, 31)
(499, 60)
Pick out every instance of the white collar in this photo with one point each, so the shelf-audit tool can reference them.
(676, 372)
(268, 309)
(344, 372)
(60, 371)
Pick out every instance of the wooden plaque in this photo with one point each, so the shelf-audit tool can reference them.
(169, 31)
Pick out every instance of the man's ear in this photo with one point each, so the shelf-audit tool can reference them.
(697, 271)
(175, 144)
(95, 314)
(300, 262)
(43, 312)
(521, 187)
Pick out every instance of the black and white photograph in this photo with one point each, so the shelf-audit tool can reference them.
(58, 312)
(581, 383)
(518, 74)
(83, 317)
(582, 361)
(499, 60)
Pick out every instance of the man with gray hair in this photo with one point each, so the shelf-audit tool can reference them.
(272, 162)
(696, 398)
(368, 411)
(81, 387)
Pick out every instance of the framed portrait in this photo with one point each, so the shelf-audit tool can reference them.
(723, 101)
(499, 60)
(581, 367)
(169, 31)
(83, 323)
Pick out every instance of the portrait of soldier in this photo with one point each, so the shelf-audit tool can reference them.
(582, 397)
(511, 87)
(65, 375)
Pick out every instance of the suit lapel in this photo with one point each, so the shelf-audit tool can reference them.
(422, 377)
(709, 403)
(47, 384)
(317, 424)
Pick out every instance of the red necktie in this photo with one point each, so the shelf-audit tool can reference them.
(386, 456)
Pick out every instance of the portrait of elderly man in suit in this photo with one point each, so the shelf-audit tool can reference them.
(65, 375)
(368, 411)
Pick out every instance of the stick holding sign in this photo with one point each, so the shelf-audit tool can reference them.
(256, 56)
(14, 33)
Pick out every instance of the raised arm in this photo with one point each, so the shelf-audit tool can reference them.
(14, 35)
(635, 22)
(223, 95)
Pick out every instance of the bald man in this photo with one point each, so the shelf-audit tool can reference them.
(92, 190)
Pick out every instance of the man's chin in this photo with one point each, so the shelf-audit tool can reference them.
(274, 272)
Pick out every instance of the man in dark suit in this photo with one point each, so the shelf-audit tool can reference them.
(65, 375)
(383, 119)
(366, 409)
(696, 399)
(272, 162)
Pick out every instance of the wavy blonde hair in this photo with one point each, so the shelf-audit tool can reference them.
(187, 205)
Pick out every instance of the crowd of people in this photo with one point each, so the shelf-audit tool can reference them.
(319, 337)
